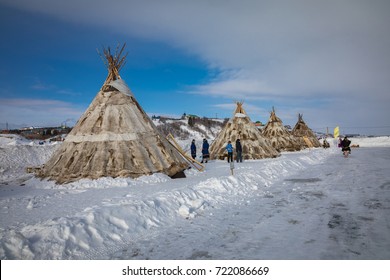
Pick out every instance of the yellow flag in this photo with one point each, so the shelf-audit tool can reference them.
(336, 132)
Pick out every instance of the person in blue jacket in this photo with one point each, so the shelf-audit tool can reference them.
(205, 151)
(193, 149)
(229, 148)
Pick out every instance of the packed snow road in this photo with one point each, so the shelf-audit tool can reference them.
(312, 204)
(336, 209)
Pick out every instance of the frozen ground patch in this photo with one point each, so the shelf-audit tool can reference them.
(300, 205)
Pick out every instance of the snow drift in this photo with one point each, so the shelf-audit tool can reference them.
(140, 218)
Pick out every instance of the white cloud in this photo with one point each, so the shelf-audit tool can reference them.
(235, 88)
(283, 51)
(279, 47)
(38, 112)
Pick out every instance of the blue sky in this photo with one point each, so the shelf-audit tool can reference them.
(329, 60)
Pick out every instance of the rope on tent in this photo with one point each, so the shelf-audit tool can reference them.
(176, 145)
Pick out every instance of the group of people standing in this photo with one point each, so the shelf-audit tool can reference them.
(205, 150)
(344, 144)
(229, 149)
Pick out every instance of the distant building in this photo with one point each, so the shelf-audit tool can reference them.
(259, 124)
(187, 116)
(42, 133)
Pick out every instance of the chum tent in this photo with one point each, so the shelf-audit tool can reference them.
(281, 139)
(240, 126)
(113, 138)
(306, 136)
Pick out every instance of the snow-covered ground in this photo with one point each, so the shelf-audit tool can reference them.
(312, 204)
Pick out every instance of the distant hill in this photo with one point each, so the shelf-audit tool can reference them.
(194, 128)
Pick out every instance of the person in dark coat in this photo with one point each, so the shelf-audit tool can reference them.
(238, 150)
(193, 149)
(345, 145)
(325, 144)
(205, 151)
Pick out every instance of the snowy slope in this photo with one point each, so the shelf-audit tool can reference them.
(267, 204)
(17, 153)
